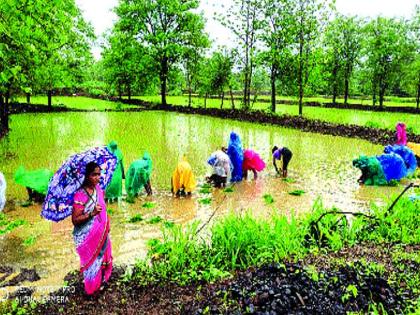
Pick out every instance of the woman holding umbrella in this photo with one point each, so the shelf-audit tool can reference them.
(77, 189)
(91, 230)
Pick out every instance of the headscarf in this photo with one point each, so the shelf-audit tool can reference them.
(183, 177)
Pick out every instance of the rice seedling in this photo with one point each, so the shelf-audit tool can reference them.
(136, 218)
(148, 205)
(268, 199)
(289, 180)
(297, 192)
(7, 225)
(168, 224)
(155, 220)
(205, 190)
(29, 241)
(205, 201)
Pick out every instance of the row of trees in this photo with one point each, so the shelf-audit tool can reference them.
(44, 45)
(286, 46)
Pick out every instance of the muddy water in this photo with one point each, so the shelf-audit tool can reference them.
(321, 166)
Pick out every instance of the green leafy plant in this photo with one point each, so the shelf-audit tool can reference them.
(29, 241)
(205, 201)
(228, 190)
(268, 199)
(289, 180)
(148, 205)
(136, 218)
(297, 192)
(155, 220)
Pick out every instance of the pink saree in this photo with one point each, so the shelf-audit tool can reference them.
(252, 161)
(92, 241)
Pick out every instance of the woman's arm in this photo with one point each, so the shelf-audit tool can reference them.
(275, 165)
(78, 217)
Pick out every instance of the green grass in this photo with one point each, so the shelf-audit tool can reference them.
(239, 241)
(7, 225)
(383, 120)
(29, 241)
(76, 102)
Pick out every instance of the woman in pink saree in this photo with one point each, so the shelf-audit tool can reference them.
(91, 231)
(401, 134)
(252, 162)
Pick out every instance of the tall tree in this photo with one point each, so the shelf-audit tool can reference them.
(277, 35)
(311, 17)
(166, 27)
(244, 19)
(386, 48)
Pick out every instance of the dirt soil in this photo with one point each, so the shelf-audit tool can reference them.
(286, 288)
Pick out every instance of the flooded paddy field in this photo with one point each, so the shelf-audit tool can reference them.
(321, 167)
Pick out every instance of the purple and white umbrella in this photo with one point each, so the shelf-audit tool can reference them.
(58, 203)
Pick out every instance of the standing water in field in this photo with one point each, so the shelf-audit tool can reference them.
(321, 167)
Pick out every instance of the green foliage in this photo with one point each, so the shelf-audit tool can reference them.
(136, 218)
(29, 241)
(205, 190)
(268, 199)
(240, 241)
(297, 192)
(155, 220)
(168, 29)
(7, 226)
(149, 205)
(228, 190)
(289, 180)
(205, 201)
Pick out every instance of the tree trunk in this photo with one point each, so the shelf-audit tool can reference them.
(163, 79)
(300, 74)
(205, 100)
(273, 88)
(335, 88)
(223, 97)
(381, 94)
(119, 92)
(129, 91)
(28, 98)
(346, 85)
(418, 94)
(189, 93)
(49, 100)
(4, 113)
(231, 97)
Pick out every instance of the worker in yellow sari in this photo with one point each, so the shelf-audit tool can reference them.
(183, 179)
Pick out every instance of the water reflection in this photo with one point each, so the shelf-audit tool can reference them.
(321, 166)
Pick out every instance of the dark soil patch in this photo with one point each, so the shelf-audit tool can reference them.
(22, 275)
(285, 289)
(272, 289)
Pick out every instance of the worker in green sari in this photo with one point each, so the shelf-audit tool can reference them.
(35, 181)
(138, 176)
(114, 189)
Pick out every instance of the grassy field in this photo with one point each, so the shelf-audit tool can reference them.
(76, 102)
(357, 117)
(389, 101)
